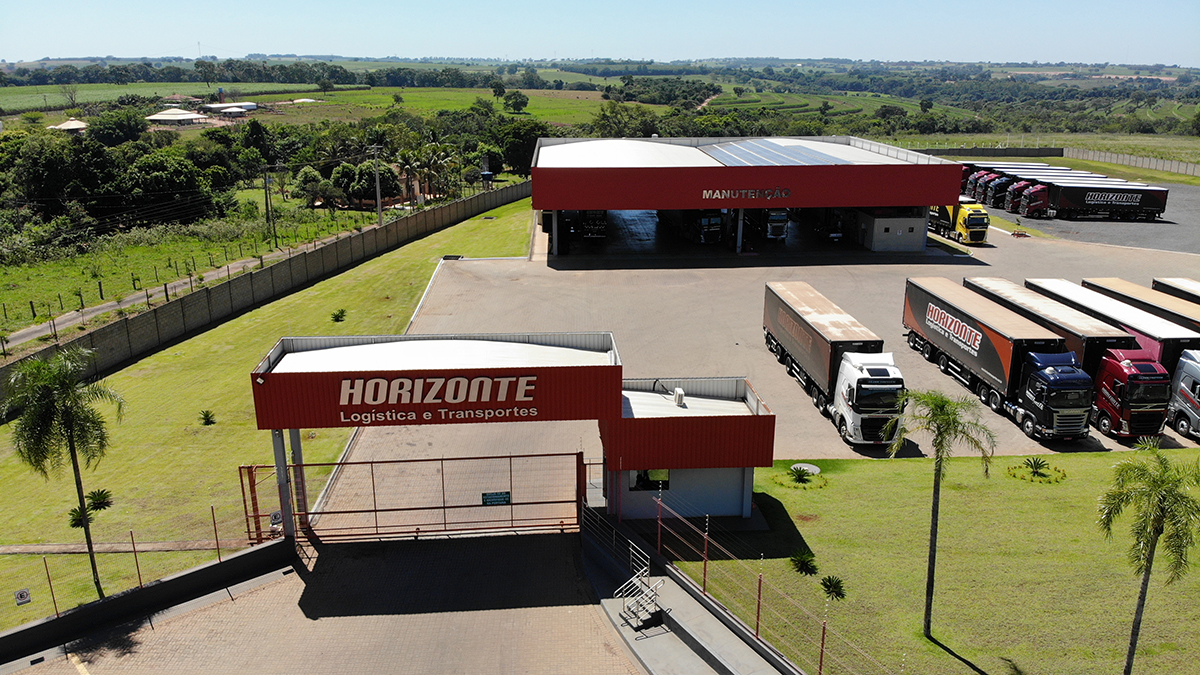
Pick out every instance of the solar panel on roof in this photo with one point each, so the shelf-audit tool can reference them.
(766, 153)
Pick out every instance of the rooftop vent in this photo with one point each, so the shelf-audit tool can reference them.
(679, 396)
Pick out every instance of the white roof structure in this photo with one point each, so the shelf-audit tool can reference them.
(436, 354)
(642, 404)
(245, 105)
(622, 153)
(71, 124)
(176, 115)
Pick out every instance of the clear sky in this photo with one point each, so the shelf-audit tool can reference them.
(1125, 31)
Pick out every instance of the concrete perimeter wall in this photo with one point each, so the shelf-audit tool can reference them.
(139, 603)
(125, 340)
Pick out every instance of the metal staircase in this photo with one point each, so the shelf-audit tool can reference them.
(640, 608)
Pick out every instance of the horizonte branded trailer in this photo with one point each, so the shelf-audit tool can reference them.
(837, 360)
(1014, 365)
(1130, 386)
(1068, 201)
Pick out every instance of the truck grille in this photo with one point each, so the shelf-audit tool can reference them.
(872, 429)
(1066, 424)
(1145, 423)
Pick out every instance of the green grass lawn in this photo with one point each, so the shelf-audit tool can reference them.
(111, 266)
(164, 468)
(553, 106)
(1162, 146)
(1024, 575)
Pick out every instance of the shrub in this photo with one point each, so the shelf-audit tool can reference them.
(338, 316)
(804, 562)
(208, 417)
(1037, 466)
(800, 474)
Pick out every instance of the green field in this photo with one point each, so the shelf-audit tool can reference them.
(114, 263)
(1162, 146)
(164, 468)
(1024, 575)
(547, 105)
(49, 96)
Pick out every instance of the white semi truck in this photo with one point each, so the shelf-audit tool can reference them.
(838, 361)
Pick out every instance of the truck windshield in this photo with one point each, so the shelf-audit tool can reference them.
(977, 222)
(777, 217)
(878, 396)
(1148, 392)
(710, 221)
(1069, 398)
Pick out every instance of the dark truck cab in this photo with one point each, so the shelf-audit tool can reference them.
(1015, 366)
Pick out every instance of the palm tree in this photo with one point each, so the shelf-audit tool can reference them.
(54, 407)
(1158, 492)
(951, 422)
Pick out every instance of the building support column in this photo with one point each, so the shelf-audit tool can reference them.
(298, 467)
(741, 220)
(554, 232)
(282, 477)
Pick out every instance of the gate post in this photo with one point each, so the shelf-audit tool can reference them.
(580, 489)
(298, 467)
(283, 478)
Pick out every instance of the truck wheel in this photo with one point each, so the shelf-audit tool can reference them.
(1104, 425)
(943, 364)
(912, 342)
(781, 355)
(928, 351)
(1029, 427)
(844, 430)
(1182, 426)
(983, 394)
(995, 402)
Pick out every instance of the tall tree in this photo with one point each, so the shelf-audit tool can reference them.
(1158, 491)
(949, 422)
(55, 417)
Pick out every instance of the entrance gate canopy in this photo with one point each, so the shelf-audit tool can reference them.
(719, 173)
(320, 382)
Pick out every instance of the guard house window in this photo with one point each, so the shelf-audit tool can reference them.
(650, 479)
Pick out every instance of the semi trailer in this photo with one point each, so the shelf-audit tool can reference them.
(1180, 287)
(967, 221)
(1129, 396)
(1169, 307)
(838, 361)
(1013, 365)
(1164, 340)
(1069, 201)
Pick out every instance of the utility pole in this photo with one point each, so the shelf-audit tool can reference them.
(378, 200)
(267, 194)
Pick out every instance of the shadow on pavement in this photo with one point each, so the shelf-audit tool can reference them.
(444, 575)
(115, 641)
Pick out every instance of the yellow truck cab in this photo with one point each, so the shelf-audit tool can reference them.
(966, 222)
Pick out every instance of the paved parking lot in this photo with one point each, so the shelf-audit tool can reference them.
(697, 311)
(1177, 230)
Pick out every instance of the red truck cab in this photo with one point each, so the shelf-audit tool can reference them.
(1012, 198)
(1035, 201)
(1132, 393)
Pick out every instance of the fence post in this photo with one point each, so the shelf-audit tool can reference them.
(136, 564)
(216, 538)
(51, 585)
(758, 609)
(375, 498)
(704, 587)
(821, 662)
(659, 500)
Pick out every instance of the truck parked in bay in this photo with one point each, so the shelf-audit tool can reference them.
(966, 222)
(1015, 366)
(839, 362)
